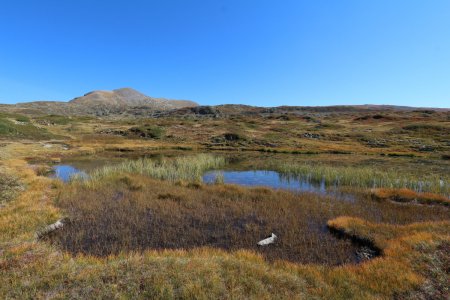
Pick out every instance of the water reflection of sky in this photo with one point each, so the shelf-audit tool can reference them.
(265, 178)
(65, 172)
(272, 179)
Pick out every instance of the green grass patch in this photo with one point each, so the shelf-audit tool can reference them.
(23, 119)
(9, 129)
(425, 128)
(148, 131)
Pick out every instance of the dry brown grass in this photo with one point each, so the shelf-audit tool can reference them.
(127, 212)
(30, 269)
(43, 170)
(136, 213)
(9, 186)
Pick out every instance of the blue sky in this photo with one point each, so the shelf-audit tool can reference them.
(260, 52)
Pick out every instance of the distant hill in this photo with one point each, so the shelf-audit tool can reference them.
(127, 97)
(240, 110)
(101, 103)
(127, 102)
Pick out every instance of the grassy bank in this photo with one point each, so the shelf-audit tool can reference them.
(408, 196)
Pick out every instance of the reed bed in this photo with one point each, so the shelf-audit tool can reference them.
(187, 168)
(365, 177)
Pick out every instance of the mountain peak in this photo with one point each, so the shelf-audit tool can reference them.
(125, 97)
(130, 94)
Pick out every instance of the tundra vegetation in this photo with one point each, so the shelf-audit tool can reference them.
(9, 186)
(149, 228)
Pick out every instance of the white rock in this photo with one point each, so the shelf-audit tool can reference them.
(268, 241)
(50, 228)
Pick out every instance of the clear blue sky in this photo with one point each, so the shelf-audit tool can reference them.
(259, 52)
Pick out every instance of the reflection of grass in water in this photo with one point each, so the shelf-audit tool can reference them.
(366, 177)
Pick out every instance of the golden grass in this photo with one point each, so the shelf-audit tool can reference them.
(9, 186)
(406, 195)
(30, 269)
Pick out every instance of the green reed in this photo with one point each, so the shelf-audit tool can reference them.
(365, 177)
(189, 168)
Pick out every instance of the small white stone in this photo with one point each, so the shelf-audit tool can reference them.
(268, 241)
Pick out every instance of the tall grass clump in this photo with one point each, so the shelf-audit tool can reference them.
(366, 177)
(9, 186)
(220, 178)
(188, 168)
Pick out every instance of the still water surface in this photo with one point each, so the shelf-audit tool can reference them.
(265, 178)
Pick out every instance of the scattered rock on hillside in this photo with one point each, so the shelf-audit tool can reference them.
(311, 135)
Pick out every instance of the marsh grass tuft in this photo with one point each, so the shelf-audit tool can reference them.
(219, 178)
(43, 170)
(181, 168)
(9, 186)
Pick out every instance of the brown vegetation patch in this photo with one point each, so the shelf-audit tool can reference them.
(115, 216)
(375, 117)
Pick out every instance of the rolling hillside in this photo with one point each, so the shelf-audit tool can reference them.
(100, 103)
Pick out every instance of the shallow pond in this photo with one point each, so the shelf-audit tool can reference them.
(254, 169)
(231, 225)
(272, 179)
(264, 178)
(65, 172)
